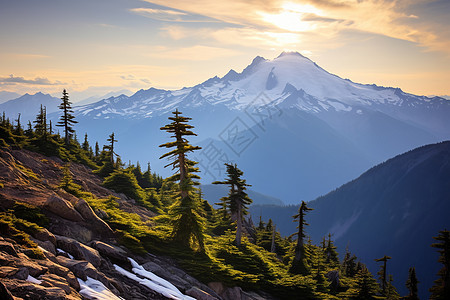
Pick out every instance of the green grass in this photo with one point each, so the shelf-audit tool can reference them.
(20, 230)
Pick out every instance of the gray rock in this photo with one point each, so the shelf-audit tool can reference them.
(62, 208)
(83, 269)
(61, 271)
(233, 293)
(7, 271)
(22, 273)
(8, 248)
(199, 294)
(47, 246)
(45, 235)
(110, 251)
(52, 280)
(79, 250)
(87, 213)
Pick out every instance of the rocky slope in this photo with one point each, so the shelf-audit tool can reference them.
(78, 255)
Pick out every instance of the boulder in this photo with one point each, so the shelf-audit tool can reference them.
(8, 248)
(34, 268)
(218, 287)
(7, 271)
(83, 269)
(199, 294)
(110, 251)
(22, 274)
(72, 230)
(88, 214)
(47, 246)
(52, 280)
(79, 250)
(61, 271)
(232, 293)
(28, 290)
(45, 235)
(62, 208)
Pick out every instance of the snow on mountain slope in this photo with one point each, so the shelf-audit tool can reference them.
(280, 79)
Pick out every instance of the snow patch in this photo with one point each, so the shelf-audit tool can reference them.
(62, 251)
(152, 281)
(33, 280)
(94, 289)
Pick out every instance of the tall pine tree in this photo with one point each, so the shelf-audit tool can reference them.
(186, 213)
(383, 272)
(299, 265)
(441, 287)
(237, 200)
(67, 118)
(411, 284)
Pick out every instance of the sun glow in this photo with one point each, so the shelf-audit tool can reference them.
(292, 17)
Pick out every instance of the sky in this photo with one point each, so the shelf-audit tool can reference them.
(92, 47)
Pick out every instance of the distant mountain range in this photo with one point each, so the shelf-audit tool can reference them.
(295, 130)
(393, 209)
(28, 106)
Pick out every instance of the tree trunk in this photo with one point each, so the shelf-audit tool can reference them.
(299, 248)
(239, 226)
(272, 246)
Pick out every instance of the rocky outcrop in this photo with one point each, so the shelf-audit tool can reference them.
(79, 250)
(88, 214)
(199, 294)
(62, 208)
(110, 251)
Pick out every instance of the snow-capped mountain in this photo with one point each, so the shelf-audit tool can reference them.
(276, 115)
(291, 80)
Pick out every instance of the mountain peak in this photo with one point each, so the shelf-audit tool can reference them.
(290, 53)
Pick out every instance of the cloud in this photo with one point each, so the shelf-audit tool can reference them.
(170, 15)
(134, 78)
(324, 18)
(11, 80)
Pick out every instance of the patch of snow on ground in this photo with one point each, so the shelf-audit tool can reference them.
(33, 280)
(62, 251)
(152, 281)
(94, 289)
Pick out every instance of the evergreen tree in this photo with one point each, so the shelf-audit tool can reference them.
(411, 284)
(391, 291)
(272, 244)
(237, 199)
(110, 148)
(186, 213)
(441, 287)
(331, 256)
(299, 265)
(261, 224)
(18, 130)
(97, 150)
(29, 131)
(349, 265)
(383, 272)
(40, 126)
(67, 119)
(85, 145)
(366, 286)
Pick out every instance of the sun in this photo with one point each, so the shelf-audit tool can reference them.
(292, 17)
